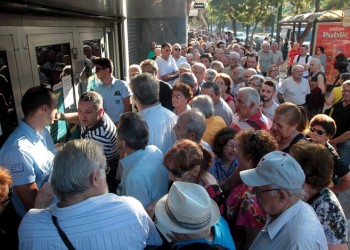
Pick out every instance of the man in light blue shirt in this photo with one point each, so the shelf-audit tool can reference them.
(25, 153)
(144, 176)
(292, 223)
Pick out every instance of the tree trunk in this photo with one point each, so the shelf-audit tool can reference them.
(317, 5)
(305, 33)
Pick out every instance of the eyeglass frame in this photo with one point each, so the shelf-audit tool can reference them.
(318, 131)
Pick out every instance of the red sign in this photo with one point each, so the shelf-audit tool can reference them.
(335, 39)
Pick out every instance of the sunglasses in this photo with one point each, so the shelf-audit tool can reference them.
(177, 49)
(98, 69)
(318, 131)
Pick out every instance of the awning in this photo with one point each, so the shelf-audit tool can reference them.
(324, 16)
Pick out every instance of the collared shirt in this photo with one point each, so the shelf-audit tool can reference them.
(278, 57)
(26, 156)
(160, 123)
(265, 60)
(113, 97)
(105, 221)
(144, 175)
(105, 133)
(298, 227)
(181, 59)
(166, 67)
(257, 121)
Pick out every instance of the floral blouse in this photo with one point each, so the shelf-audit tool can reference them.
(218, 170)
(331, 215)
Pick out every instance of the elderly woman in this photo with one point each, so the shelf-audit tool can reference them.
(289, 123)
(225, 83)
(225, 161)
(182, 94)
(317, 165)
(322, 128)
(189, 162)
(315, 100)
(244, 214)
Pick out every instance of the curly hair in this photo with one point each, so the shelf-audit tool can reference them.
(184, 89)
(256, 144)
(221, 139)
(317, 163)
(5, 183)
(186, 155)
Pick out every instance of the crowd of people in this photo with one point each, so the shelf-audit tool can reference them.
(205, 146)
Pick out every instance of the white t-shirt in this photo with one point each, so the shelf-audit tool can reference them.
(295, 92)
(166, 67)
(302, 60)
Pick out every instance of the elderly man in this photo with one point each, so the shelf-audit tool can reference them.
(96, 125)
(248, 113)
(198, 70)
(292, 224)
(86, 215)
(27, 153)
(255, 81)
(115, 93)
(294, 89)
(233, 63)
(191, 80)
(247, 74)
(266, 58)
(237, 80)
(168, 70)
(218, 66)
(277, 54)
(267, 93)
(221, 107)
(160, 121)
(213, 123)
(165, 92)
(175, 53)
(341, 116)
(144, 176)
(210, 75)
(191, 125)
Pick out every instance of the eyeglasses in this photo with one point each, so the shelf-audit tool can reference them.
(230, 146)
(176, 96)
(9, 196)
(318, 131)
(256, 192)
(98, 69)
(177, 49)
(174, 172)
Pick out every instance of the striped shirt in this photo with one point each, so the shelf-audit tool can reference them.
(105, 133)
(105, 221)
(257, 121)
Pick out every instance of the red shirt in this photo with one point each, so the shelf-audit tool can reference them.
(293, 53)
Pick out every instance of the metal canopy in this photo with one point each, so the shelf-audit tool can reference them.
(324, 16)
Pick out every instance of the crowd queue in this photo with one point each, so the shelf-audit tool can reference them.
(207, 145)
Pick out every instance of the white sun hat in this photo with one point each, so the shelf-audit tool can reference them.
(187, 209)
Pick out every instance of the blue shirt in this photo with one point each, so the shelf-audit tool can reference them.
(26, 155)
(218, 170)
(222, 237)
(144, 175)
(113, 96)
(298, 227)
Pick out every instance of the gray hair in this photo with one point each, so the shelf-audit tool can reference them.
(257, 77)
(195, 122)
(145, 88)
(74, 164)
(214, 86)
(297, 66)
(199, 65)
(204, 104)
(210, 74)
(188, 78)
(347, 82)
(252, 95)
(217, 64)
(241, 72)
(318, 63)
(235, 54)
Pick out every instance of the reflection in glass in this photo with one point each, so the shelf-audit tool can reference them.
(51, 60)
(92, 51)
(8, 116)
